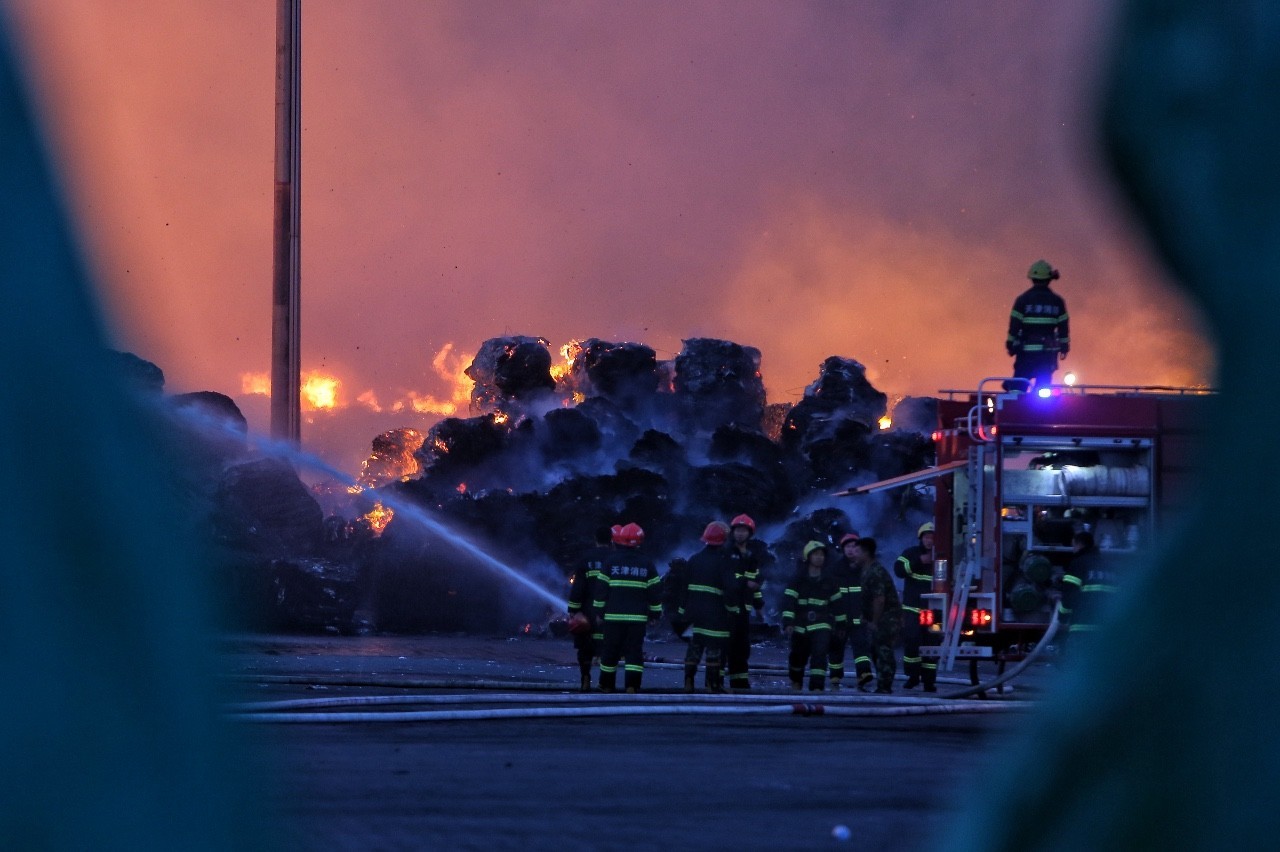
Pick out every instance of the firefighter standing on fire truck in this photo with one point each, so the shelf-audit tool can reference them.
(915, 567)
(709, 601)
(814, 610)
(749, 555)
(1039, 333)
(582, 593)
(629, 596)
(881, 611)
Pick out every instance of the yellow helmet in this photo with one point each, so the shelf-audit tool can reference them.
(1042, 271)
(924, 528)
(811, 547)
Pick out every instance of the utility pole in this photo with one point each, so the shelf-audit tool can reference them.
(286, 307)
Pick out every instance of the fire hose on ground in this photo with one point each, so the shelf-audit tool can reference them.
(1016, 670)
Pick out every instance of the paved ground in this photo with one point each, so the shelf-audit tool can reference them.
(626, 782)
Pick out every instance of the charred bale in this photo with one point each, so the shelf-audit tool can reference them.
(724, 490)
(138, 372)
(623, 373)
(717, 382)
(262, 507)
(509, 368)
(617, 430)
(566, 434)
(456, 445)
(916, 414)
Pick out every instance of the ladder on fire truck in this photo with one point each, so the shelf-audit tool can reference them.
(970, 568)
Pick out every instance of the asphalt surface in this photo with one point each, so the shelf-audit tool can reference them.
(777, 781)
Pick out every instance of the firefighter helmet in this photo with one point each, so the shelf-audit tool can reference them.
(630, 536)
(1042, 271)
(811, 547)
(615, 533)
(848, 537)
(926, 527)
(743, 521)
(716, 533)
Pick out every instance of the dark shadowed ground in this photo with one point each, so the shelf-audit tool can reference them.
(669, 782)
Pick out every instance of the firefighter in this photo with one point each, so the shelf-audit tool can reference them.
(1087, 586)
(915, 567)
(813, 611)
(749, 555)
(1039, 333)
(710, 600)
(582, 593)
(881, 611)
(629, 596)
(850, 574)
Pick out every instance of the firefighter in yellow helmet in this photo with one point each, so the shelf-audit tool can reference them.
(915, 567)
(1039, 333)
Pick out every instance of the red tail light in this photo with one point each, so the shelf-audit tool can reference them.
(980, 618)
(927, 618)
(936, 437)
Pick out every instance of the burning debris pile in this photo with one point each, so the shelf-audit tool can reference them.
(550, 453)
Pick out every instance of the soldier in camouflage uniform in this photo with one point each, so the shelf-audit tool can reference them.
(881, 611)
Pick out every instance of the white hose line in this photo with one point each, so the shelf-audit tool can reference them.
(834, 699)
(403, 683)
(799, 709)
(1016, 670)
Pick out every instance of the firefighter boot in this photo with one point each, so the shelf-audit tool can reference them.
(586, 677)
(817, 683)
(632, 682)
(715, 680)
(930, 678)
(608, 681)
(913, 680)
(689, 672)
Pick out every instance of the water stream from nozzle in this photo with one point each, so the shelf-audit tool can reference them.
(402, 508)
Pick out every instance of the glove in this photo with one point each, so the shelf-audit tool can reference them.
(1011, 348)
(1063, 350)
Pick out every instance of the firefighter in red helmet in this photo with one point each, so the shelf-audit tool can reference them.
(749, 555)
(628, 597)
(709, 603)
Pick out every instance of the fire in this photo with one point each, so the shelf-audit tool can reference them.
(885, 422)
(568, 352)
(462, 488)
(255, 384)
(319, 392)
(393, 458)
(500, 417)
(378, 517)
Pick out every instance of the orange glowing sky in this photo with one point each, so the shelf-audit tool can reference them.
(863, 179)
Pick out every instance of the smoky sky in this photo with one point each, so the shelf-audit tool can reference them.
(868, 179)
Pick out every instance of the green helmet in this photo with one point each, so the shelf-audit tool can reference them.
(811, 547)
(1042, 271)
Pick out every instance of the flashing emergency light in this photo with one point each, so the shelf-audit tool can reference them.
(1069, 379)
(935, 437)
(1044, 393)
(980, 617)
(927, 618)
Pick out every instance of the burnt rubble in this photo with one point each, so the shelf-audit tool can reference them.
(544, 460)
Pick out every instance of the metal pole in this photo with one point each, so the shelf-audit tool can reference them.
(286, 308)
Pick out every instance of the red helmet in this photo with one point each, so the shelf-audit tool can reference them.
(848, 537)
(715, 534)
(629, 536)
(743, 521)
(615, 533)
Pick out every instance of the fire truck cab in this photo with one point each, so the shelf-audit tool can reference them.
(1018, 473)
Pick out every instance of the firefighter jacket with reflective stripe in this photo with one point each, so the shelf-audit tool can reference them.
(747, 566)
(849, 576)
(1087, 586)
(1038, 322)
(586, 580)
(917, 577)
(811, 604)
(630, 588)
(876, 582)
(711, 594)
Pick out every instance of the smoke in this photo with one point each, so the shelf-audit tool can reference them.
(866, 180)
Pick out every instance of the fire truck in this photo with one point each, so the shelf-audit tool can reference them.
(1018, 473)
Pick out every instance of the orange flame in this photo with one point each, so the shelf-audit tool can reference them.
(378, 517)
